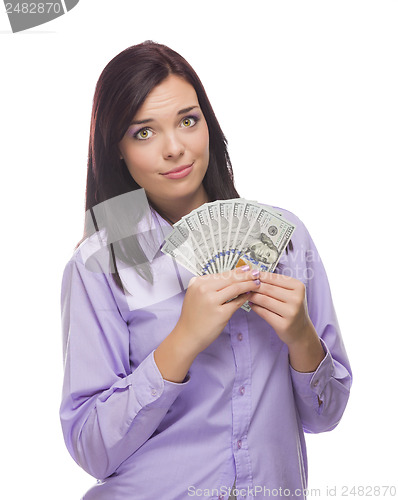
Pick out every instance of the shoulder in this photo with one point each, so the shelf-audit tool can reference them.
(90, 263)
(92, 253)
(87, 278)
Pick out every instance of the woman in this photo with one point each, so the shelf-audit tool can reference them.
(171, 390)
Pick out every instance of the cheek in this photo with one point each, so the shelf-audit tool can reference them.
(202, 143)
(138, 162)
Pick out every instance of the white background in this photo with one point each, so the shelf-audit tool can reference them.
(306, 94)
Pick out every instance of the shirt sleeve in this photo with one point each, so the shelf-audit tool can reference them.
(321, 396)
(108, 410)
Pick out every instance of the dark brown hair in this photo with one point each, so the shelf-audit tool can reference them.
(121, 89)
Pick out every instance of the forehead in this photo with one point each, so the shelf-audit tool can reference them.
(173, 94)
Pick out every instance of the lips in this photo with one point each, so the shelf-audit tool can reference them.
(178, 169)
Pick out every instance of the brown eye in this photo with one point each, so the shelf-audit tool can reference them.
(189, 121)
(143, 134)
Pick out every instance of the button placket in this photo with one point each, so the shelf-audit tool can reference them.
(242, 387)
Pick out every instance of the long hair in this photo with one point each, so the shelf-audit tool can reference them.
(121, 89)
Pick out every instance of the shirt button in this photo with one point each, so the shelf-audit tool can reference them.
(154, 392)
(239, 443)
(316, 383)
(220, 497)
(240, 337)
(242, 390)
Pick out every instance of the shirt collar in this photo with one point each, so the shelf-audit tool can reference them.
(152, 234)
(150, 231)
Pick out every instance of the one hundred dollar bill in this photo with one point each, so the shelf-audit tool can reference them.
(224, 234)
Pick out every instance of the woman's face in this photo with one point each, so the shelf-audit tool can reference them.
(172, 133)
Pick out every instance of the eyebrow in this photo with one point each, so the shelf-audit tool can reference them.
(147, 120)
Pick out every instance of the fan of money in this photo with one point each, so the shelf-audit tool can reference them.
(224, 234)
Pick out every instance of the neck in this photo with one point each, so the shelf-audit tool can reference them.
(173, 210)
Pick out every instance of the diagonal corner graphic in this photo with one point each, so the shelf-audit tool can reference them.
(25, 15)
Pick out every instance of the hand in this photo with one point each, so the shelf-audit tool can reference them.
(205, 310)
(281, 301)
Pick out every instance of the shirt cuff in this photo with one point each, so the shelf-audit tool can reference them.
(150, 387)
(306, 384)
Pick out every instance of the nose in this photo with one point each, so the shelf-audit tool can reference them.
(172, 147)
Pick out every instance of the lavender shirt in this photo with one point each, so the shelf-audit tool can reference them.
(241, 411)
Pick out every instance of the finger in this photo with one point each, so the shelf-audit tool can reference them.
(235, 304)
(280, 280)
(222, 280)
(236, 289)
(275, 291)
(274, 320)
(269, 303)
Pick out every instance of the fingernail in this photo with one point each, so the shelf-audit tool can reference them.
(257, 282)
(255, 272)
(244, 268)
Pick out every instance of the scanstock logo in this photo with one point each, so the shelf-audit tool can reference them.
(25, 15)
